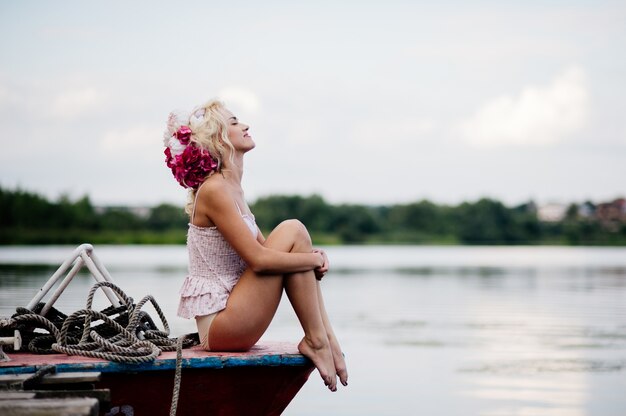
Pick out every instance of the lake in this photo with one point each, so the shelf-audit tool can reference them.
(426, 330)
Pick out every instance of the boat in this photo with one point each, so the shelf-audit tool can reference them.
(262, 381)
(187, 381)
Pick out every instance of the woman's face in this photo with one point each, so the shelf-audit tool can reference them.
(237, 132)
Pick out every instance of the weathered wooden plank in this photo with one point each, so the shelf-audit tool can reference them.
(58, 378)
(50, 407)
(103, 395)
(14, 395)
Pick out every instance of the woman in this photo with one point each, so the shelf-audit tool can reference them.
(236, 276)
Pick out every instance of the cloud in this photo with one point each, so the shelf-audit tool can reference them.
(4, 96)
(77, 102)
(539, 116)
(377, 132)
(135, 140)
(239, 99)
(13, 100)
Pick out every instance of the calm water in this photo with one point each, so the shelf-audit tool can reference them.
(426, 330)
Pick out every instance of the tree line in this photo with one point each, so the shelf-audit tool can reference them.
(28, 218)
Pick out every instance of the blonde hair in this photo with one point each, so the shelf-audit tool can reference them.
(210, 132)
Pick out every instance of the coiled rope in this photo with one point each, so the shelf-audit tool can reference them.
(126, 334)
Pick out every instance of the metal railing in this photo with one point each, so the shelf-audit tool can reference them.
(83, 256)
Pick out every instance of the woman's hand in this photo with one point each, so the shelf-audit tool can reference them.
(321, 271)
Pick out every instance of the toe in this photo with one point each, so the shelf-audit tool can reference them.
(343, 377)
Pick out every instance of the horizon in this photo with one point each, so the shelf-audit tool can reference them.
(539, 204)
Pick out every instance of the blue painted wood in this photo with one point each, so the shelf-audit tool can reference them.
(170, 364)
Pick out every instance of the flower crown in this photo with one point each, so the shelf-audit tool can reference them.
(189, 163)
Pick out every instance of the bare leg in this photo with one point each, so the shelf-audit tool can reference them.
(255, 298)
(339, 361)
(302, 292)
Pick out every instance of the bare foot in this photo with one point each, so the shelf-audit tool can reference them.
(322, 357)
(339, 361)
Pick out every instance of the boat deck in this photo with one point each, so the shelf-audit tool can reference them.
(261, 381)
(263, 354)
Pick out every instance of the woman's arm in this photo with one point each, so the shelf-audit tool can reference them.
(216, 202)
(259, 236)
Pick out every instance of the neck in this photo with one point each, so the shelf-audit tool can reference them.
(234, 169)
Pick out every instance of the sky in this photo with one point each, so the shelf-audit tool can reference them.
(358, 101)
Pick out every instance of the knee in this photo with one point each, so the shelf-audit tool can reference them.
(297, 230)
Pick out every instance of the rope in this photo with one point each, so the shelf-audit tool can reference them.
(177, 377)
(125, 334)
(34, 380)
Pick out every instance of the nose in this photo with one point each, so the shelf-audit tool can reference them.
(245, 127)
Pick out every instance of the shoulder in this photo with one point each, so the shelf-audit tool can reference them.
(215, 192)
(213, 185)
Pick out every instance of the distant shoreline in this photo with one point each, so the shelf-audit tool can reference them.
(30, 219)
(178, 237)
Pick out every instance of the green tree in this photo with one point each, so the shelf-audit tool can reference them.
(119, 219)
(354, 223)
(272, 210)
(167, 216)
(486, 222)
(421, 217)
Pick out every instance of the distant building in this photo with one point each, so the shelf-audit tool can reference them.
(611, 214)
(551, 212)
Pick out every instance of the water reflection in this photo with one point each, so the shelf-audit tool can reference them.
(426, 330)
(22, 274)
(531, 396)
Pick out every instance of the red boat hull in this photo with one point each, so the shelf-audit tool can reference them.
(232, 391)
(261, 381)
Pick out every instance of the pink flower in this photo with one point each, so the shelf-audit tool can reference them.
(189, 163)
(183, 134)
(192, 166)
